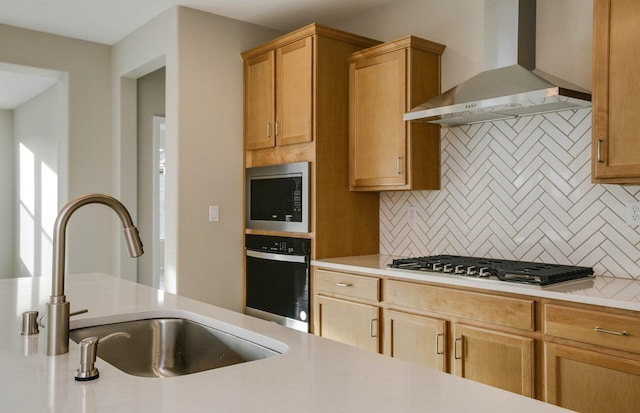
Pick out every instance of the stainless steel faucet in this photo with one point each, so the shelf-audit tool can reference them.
(58, 307)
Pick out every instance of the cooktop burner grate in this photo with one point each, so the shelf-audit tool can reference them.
(506, 270)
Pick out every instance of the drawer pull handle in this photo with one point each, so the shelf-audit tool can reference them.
(615, 333)
(599, 151)
(455, 348)
(343, 284)
(438, 351)
(373, 330)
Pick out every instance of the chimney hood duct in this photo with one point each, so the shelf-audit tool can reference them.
(506, 92)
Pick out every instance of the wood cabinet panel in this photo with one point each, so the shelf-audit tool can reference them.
(418, 339)
(259, 100)
(589, 381)
(347, 322)
(616, 91)
(504, 311)
(339, 284)
(385, 81)
(593, 327)
(294, 92)
(378, 144)
(498, 359)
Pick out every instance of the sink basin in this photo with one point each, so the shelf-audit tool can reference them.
(166, 347)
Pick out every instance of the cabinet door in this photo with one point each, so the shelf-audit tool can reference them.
(294, 94)
(377, 136)
(418, 339)
(347, 322)
(588, 381)
(259, 101)
(497, 359)
(616, 91)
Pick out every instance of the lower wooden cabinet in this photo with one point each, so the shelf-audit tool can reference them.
(348, 322)
(591, 381)
(418, 339)
(581, 357)
(498, 359)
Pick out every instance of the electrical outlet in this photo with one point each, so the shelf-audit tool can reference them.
(633, 213)
(411, 215)
(214, 213)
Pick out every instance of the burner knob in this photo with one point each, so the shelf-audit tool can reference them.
(447, 268)
(471, 270)
(459, 269)
(436, 266)
(484, 272)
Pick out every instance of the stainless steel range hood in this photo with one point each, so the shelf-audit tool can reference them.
(506, 92)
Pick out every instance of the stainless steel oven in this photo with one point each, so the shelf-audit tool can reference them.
(277, 279)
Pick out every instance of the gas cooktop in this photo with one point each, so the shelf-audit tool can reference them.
(535, 273)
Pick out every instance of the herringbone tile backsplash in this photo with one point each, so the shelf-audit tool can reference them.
(518, 189)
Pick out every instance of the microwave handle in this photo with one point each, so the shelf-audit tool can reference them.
(277, 257)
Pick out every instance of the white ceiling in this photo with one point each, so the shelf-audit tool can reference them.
(20, 84)
(108, 21)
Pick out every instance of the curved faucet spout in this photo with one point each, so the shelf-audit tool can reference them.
(58, 307)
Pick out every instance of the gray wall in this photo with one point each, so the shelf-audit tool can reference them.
(151, 101)
(87, 154)
(39, 133)
(7, 197)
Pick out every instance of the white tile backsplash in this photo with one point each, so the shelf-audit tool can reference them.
(518, 189)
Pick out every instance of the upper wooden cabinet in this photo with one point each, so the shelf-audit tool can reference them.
(616, 92)
(385, 81)
(278, 96)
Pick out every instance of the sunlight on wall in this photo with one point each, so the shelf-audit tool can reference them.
(48, 212)
(38, 211)
(27, 209)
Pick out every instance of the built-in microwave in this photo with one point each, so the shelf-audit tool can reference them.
(278, 197)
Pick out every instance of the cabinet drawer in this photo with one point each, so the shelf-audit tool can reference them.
(504, 311)
(339, 284)
(593, 327)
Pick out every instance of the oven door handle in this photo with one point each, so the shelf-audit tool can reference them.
(277, 257)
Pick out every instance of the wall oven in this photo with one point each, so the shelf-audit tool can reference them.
(277, 279)
(278, 197)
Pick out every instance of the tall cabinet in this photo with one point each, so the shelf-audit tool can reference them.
(616, 92)
(296, 94)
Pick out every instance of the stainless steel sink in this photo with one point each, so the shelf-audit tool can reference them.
(166, 347)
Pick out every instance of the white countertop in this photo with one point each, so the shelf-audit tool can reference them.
(605, 291)
(313, 374)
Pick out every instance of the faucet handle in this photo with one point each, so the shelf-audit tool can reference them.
(84, 310)
(29, 323)
(88, 353)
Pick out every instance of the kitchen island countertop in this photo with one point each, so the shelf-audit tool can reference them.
(620, 293)
(313, 374)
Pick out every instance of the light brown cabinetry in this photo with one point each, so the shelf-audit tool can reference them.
(482, 352)
(296, 98)
(616, 91)
(584, 371)
(416, 338)
(278, 96)
(498, 359)
(582, 357)
(385, 81)
(346, 308)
